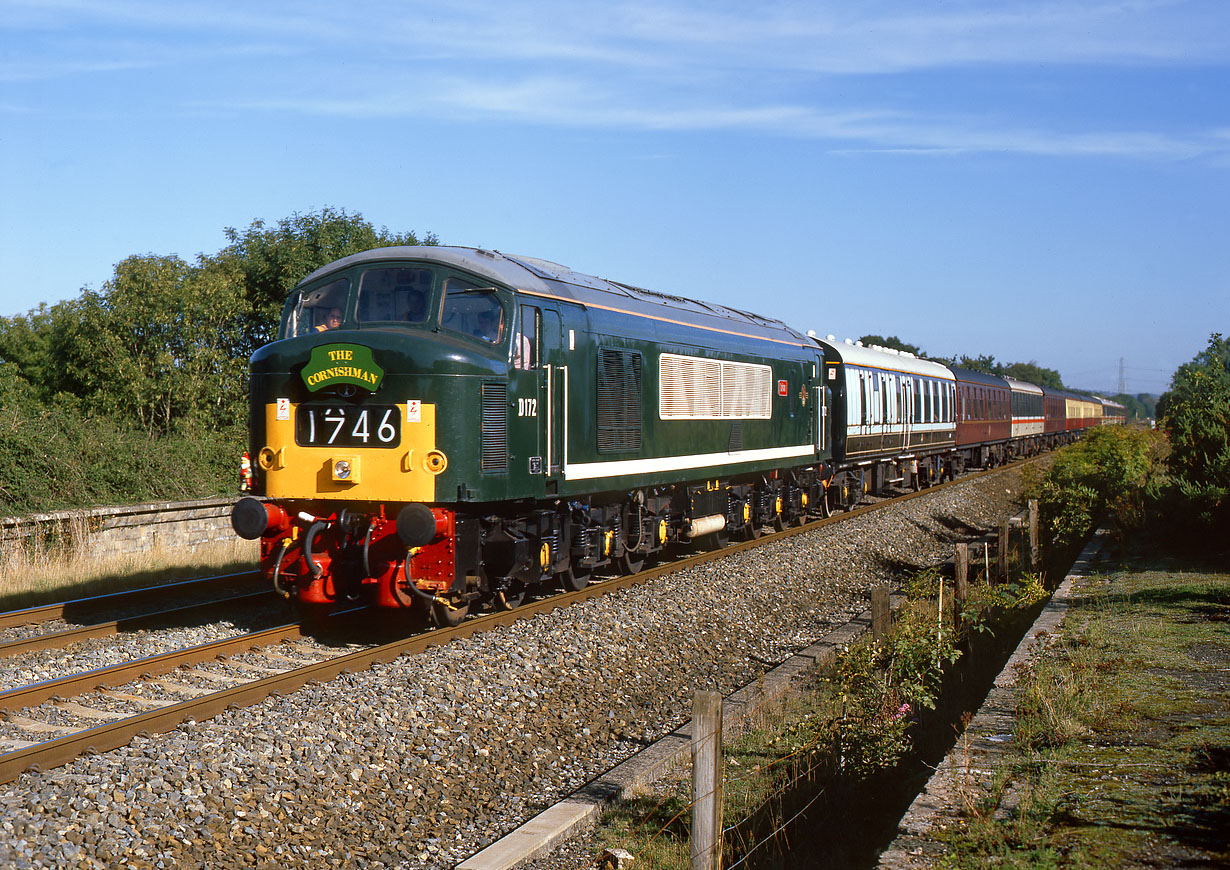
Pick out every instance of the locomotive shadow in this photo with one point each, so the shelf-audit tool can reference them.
(132, 619)
(160, 606)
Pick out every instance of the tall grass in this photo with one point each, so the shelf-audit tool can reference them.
(37, 568)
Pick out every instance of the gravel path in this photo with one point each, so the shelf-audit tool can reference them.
(421, 762)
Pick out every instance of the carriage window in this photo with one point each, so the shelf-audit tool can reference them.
(394, 294)
(472, 310)
(316, 309)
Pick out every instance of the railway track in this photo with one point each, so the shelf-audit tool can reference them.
(113, 602)
(187, 615)
(54, 721)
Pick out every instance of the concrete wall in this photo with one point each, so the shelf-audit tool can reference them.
(131, 529)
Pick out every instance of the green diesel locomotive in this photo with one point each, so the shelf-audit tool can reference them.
(439, 427)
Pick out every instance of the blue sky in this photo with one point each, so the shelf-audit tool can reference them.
(1035, 180)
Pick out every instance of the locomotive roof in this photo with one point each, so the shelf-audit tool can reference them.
(976, 377)
(545, 278)
(883, 358)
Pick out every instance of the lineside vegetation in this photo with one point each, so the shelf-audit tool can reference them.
(138, 391)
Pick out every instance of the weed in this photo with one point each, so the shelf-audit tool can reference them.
(1119, 755)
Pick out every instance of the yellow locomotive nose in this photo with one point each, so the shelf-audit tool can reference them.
(294, 470)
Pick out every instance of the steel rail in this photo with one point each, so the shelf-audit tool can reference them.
(46, 612)
(149, 667)
(60, 639)
(114, 735)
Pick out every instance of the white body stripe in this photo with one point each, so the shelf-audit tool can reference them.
(621, 467)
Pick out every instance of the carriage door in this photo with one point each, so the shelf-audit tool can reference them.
(824, 406)
(907, 410)
(901, 391)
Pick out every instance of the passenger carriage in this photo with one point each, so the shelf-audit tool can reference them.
(893, 418)
(984, 418)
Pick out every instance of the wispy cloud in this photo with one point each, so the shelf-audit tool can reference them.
(833, 37)
(781, 68)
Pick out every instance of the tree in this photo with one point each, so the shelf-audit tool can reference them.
(29, 342)
(1141, 406)
(985, 364)
(1033, 373)
(1195, 413)
(272, 260)
(893, 342)
(139, 390)
(159, 344)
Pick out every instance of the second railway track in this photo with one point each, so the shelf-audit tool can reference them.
(50, 722)
(422, 760)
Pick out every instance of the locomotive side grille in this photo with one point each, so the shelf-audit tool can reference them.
(495, 428)
(619, 400)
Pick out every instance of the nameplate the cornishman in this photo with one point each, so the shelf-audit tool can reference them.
(333, 364)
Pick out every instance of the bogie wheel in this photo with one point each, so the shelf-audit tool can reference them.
(575, 578)
(631, 562)
(448, 615)
(509, 597)
(823, 508)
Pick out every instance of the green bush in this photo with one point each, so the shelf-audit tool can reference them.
(1195, 414)
(1110, 470)
(885, 685)
(60, 455)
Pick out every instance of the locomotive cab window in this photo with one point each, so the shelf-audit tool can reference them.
(525, 344)
(315, 309)
(394, 294)
(473, 311)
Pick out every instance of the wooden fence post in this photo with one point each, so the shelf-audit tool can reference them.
(1033, 535)
(960, 588)
(707, 781)
(1002, 573)
(881, 616)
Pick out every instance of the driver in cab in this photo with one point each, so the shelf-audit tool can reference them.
(332, 320)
